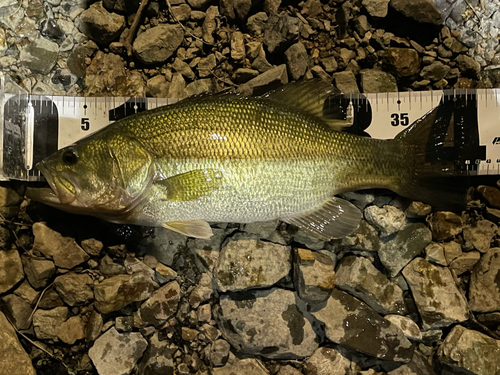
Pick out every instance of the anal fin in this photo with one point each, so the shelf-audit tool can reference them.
(194, 228)
(336, 218)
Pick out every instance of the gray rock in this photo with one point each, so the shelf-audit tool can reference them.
(100, 25)
(237, 46)
(272, 323)
(468, 66)
(208, 251)
(40, 55)
(479, 235)
(157, 86)
(75, 289)
(165, 244)
(245, 366)
(11, 269)
(465, 262)
(359, 277)
(13, 358)
(268, 80)
(47, 322)
(436, 295)
(117, 353)
(219, 353)
(72, 330)
(376, 8)
(161, 305)
(401, 62)
(64, 251)
(209, 24)
(118, 291)
(328, 361)
(405, 324)
(92, 246)
(247, 263)
(158, 43)
(377, 81)
(19, 310)
(263, 229)
(158, 358)
(417, 210)
(435, 71)
(257, 23)
(354, 325)
(296, 59)
(425, 11)
(434, 253)
(308, 239)
(388, 219)
(314, 276)
(76, 59)
(365, 238)
(280, 31)
(484, 290)
(346, 82)
(465, 351)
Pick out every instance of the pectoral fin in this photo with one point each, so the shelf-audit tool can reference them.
(191, 185)
(336, 218)
(195, 228)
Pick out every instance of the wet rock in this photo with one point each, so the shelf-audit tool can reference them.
(490, 194)
(445, 225)
(161, 305)
(484, 290)
(100, 25)
(165, 244)
(248, 263)
(405, 246)
(18, 309)
(479, 235)
(164, 274)
(75, 289)
(72, 330)
(92, 246)
(405, 324)
(118, 291)
(76, 59)
(388, 219)
(436, 295)
(157, 358)
(257, 23)
(365, 238)
(417, 210)
(208, 251)
(219, 353)
(263, 229)
(346, 82)
(352, 324)
(468, 66)
(328, 361)
(47, 322)
(419, 365)
(401, 62)
(40, 55)
(424, 11)
(467, 351)
(266, 81)
(376, 8)
(377, 81)
(13, 358)
(314, 276)
(157, 44)
(280, 31)
(117, 353)
(296, 59)
(465, 262)
(245, 366)
(359, 277)
(272, 323)
(64, 251)
(11, 269)
(201, 292)
(434, 253)
(435, 71)
(308, 239)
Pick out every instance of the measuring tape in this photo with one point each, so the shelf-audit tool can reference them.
(33, 127)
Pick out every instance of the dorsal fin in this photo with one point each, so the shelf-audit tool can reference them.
(310, 96)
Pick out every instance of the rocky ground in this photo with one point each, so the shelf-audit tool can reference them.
(411, 292)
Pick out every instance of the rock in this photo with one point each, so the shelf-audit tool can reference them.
(272, 323)
(417, 210)
(436, 295)
(484, 290)
(117, 353)
(465, 262)
(219, 353)
(280, 31)
(257, 23)
(444, 225)
(161, 305)
(124, 6)
(311, 8)
(26, 292)
(260, 63)
(354, 325)
(365, 238)
(296, 59)
(209, 24)
(359, 277)
(268, 80)
(237, 46)
(124, 323)
(18, 309)
(377, 81)
(13, 358)
(424, 11)
(164, 274)
(308, 239)
(376, 8)
(64, 251)
(181, 12)
(314, 276)
(263, 229)
(401, 62)
(288, 370)
(165, 244)
(11, 269)
(208, 250)
(75, 289)
(492, 214)
(468, 66)
(48, 322)
(206, 65)
(467, 351)
(490, 194)
(405, 324)
(100, 25)
(158, 358)
(118, 291)
(435, 71)
(454, 45)
(40, 55)
(202, 291)
(245, 366)
(38, 271)
(329, 64)
(388, 219)
(158, 43)
(76, 59)
(247, 263)
(452, 250)
(92, 246)
(198, 87)
(434, 253)
(419, 365)
(72, 330)
(328, 361)
(189, 334)
(109, 268)
(480, 234)
(183, 68)
(94, 326)
(199, 4)
(157, 86)
(346, 82)
(50, 300)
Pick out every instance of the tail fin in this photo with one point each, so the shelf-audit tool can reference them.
(433, 178)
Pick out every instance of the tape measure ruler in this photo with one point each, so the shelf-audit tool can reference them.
(33, 126)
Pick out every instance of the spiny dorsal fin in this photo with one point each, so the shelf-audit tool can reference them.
(310, 96)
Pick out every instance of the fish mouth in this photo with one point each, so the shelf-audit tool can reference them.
(61, 190)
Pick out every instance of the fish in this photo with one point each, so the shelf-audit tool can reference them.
(233, 158)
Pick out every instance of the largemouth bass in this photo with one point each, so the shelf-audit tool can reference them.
(228, 158)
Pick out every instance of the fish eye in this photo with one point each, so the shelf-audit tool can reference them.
(69, 157)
